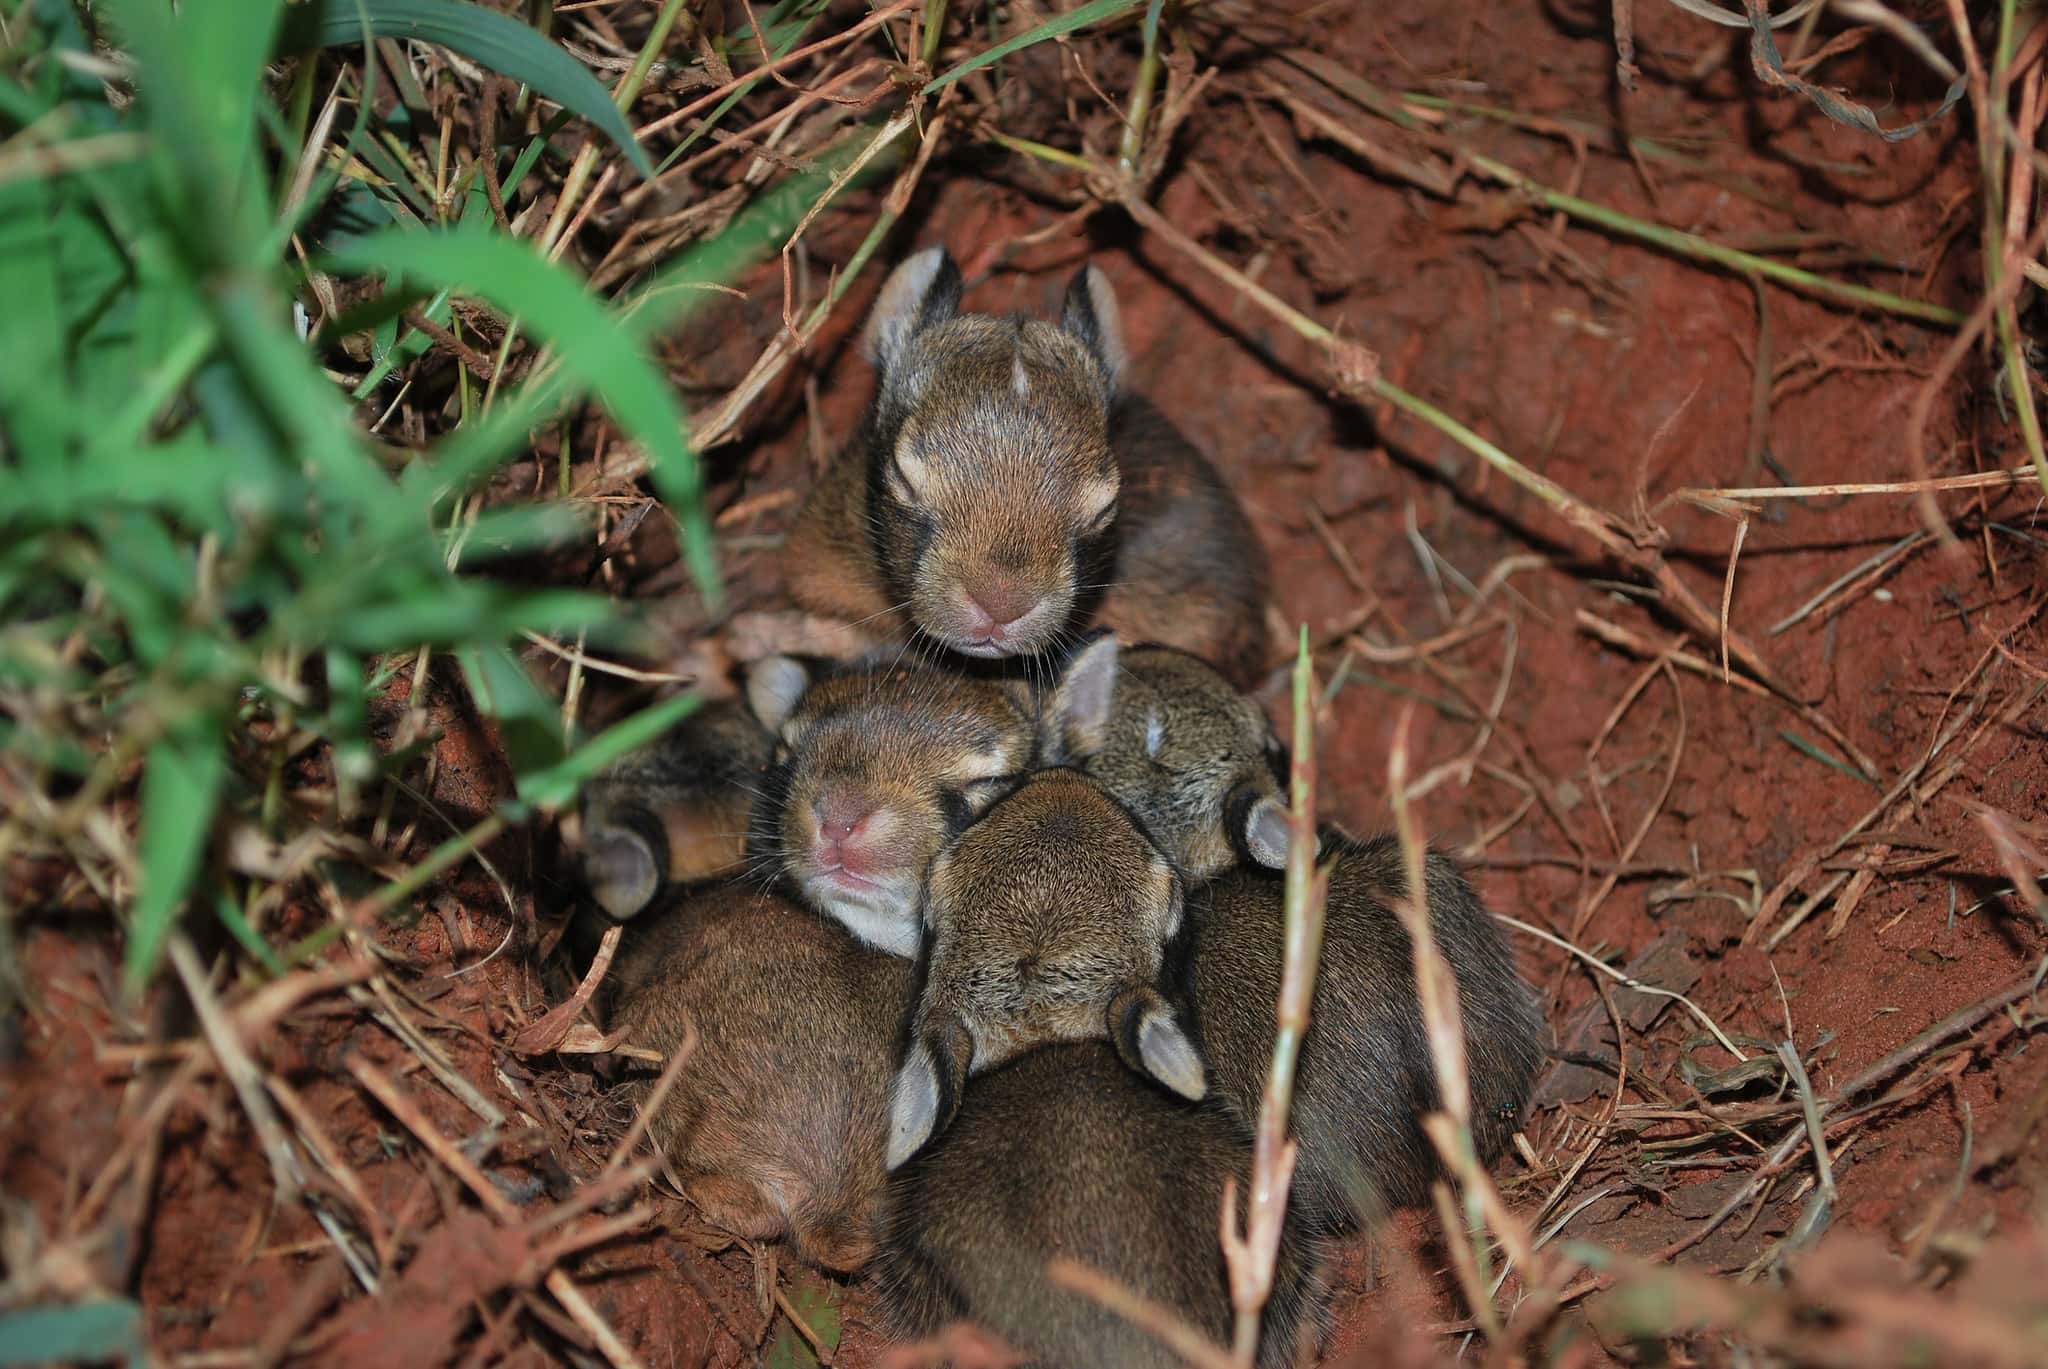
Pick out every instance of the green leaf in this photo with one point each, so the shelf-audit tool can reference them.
(200, 74)
(83, 1332)
(181, 783)
(589, 340)
(555, 788)
(528, 720)
(1080, 17)
(230, 914)
(505, 45)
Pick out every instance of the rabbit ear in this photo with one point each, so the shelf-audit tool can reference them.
(924, 290)
(926, 1095)
(622, 862)
(1082, 700)
(774, 684)
(1150, 1039)
(1091, 314)
(1259, 824)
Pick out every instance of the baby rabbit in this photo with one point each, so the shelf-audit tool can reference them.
(874, 770)
(1048, 919)
(1364, 1076)
(1001, 482)
(676, 810)
(1174, 742)
(776, 1124)
(1064, 1153)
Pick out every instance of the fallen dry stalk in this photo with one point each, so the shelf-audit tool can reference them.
(1155, 1320)
(497, 1204)
(1355, 372)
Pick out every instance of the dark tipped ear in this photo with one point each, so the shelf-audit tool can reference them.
(1258, 827)
(622, 861)
(926, 1095)
(1150, 1039)
(1091, 314)
(1084, 697)
(924, 290)
(774, 684)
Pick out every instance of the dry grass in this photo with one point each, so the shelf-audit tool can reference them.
(837, 133)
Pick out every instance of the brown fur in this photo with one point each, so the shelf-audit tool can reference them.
(980, 471)
(1064, 1153)
(925, 750)
(1169, 737)
(776, 1123)
(1364, 1075)
(676, 810)
(1048, 922)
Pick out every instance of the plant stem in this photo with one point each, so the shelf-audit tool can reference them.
(1141, 93)
(626, 92)
(1992, 154)
(1692, 245)
(1273, 1155)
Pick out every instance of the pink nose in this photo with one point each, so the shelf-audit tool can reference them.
(844, 823)
(996, 604)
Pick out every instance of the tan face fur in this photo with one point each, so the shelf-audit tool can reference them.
(993, 497)
(875, 770)
(1169, 737)
(1048, 921)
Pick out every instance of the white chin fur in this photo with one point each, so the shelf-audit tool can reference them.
(885, 925)
(985, 650)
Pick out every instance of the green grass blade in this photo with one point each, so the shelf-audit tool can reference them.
(505, 45)
(555, 787)
(181, 783)
(1082, 16)
(592, 345)
(200, 74)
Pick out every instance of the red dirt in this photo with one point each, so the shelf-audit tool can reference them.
(1621, 396)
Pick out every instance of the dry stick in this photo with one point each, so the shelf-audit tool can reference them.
(1252, 1254)
(239, 1067)
(1625, 44)
(1911, 783)
(1985, 98)
(546, 1033)
(670, 1072)
(1955, 1024)
(1614, 634)
(1356, 373)
(1436, 181)
(1728, 593)
(557, 1280)
(1154, 1319)
(1863, 574)
(723, 422)
(874, 19)
(1635, 842)
(819, 1351)
(1692, 245)
(1979, 480)
(623, 96)
(1952, 356)
(1600, 966)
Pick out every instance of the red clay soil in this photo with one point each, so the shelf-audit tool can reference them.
(1616, 370)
